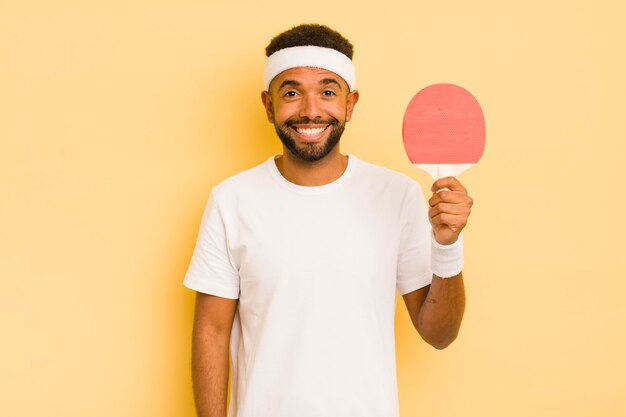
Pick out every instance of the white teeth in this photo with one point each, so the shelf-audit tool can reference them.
(310, 132)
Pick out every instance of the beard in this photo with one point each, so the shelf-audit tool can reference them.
(310, 152)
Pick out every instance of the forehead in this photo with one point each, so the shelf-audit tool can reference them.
(308, 76)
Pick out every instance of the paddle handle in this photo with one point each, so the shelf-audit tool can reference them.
(437, 171)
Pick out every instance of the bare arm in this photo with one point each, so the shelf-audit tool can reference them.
(437, 310)
(210, 346)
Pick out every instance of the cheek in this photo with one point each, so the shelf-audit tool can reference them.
(338, 112)
(283, 112)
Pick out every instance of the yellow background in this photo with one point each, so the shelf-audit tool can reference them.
(117, 118)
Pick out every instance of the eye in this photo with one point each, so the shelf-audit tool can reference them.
(290, 94)
(329, 93)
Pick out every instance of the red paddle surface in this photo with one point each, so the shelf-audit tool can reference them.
(444, 124)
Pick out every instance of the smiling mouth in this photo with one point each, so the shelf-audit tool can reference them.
(310, 132)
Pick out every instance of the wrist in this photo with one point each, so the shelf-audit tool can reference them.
(446, 261)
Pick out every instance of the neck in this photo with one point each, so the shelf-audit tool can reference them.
(311, 174)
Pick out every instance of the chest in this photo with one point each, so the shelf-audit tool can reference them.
(315, 241)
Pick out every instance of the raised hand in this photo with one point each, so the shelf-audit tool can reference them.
(450, 207)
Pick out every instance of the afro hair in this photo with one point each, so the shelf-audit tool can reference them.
(310, 35)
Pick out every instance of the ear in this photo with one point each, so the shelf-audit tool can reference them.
(353, 97)
(269, 108)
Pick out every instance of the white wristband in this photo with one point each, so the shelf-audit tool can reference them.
(446, 261)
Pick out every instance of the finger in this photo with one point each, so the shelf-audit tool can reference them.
(453, 197)
(450, 183)
(455, 209)
(449, 220)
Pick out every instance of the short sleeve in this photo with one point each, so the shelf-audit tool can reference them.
(414, 270)
(211, 270)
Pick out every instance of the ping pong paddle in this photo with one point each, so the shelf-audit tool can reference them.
(443, 130)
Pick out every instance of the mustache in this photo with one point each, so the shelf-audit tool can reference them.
(308, 120)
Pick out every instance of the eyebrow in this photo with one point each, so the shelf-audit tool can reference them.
(295, 83)
(327, 81)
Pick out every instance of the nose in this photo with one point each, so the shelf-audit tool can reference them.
(311, 107)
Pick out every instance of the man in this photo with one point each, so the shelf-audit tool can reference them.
(298, 260)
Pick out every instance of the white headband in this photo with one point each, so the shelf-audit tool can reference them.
(309, 56)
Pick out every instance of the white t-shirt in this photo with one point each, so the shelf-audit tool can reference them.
(315, 270)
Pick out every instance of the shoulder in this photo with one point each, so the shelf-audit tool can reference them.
(392, 190)
(243, 182)
(380, 176)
